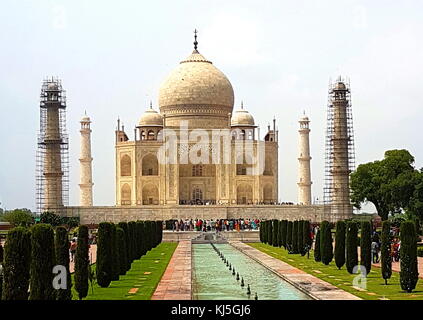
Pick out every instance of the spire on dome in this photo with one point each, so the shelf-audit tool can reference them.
(195, 40)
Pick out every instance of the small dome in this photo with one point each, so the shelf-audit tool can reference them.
(52, 86)
(85, 119)
(340, 86)
(243, 118)
(151, 118)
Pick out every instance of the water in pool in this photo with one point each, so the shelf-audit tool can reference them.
(213, 280)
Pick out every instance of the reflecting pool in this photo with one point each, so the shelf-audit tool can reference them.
(212, 279)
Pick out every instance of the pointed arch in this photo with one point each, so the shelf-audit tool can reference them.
(125, 195)
(125, 166)
(150, 165)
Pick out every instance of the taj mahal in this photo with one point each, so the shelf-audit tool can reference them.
(197, 156)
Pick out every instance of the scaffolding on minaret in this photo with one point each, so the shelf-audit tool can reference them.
(52, 156)
(340, 149)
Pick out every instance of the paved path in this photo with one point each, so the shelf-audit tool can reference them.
(396, 266)
(176, 281)
(92, 254)
(317, 288)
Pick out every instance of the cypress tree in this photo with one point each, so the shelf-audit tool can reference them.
(82, 263)
(104, 268)
(317, 255)
(160, 224)
(115, 254)
(61, 244)
(289, 228)
(16, 264)
(132, 238)
(366, 246)
(351, 246)
(144, 244)
(385, 251)
(306, 237)
(140, 226)
(275, 240)
(123, 259)
(265, 229)
(284, 226)
(42, 262)
(124, 226)
(301, 244)
(409, 274)
(269, 232)
(295, 237)
(261, 232)
(340, 244)
(326, 247)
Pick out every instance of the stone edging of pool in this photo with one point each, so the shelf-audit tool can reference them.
(307, 283)
(176, 281)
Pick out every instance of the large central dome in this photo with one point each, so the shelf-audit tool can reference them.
(198, 92)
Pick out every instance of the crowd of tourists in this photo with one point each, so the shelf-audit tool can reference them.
(221, 203)
(213, 225)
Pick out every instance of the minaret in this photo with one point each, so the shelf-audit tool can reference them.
(52, 152)
(339, 151)
(304, 172)
(86, 184)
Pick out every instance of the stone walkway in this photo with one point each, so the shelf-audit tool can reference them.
(396, 266)
(176, 281)
(317, 288)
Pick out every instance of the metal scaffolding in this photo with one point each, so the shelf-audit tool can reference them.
(52, 157)
(339, 95)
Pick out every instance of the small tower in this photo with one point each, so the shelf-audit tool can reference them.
(86, 184)
(304, 172)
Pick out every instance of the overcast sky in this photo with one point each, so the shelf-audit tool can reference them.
(278, 55)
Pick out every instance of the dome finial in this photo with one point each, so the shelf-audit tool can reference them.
(151, 104)
(195, 40)
(242, 105)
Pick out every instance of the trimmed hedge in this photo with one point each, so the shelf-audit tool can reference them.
(61, 244)
(123, 259)
(385, 251)
(317, 255)
(42, 262)
(295, 237)
(289, 228)
(326, 246)
(16, 264)
(300, 233)
(307, 241)
(82, 263)
(275, 227)
(124, 226)
(351, 246)
(409, 274)
(340, 244)
(104, 269)
(283, 231)
(366, 245)
(115, 254)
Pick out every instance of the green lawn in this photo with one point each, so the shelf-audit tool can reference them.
(376, 289)
(154, 263)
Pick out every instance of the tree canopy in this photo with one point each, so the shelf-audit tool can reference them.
(389, 184)
(18, 217)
